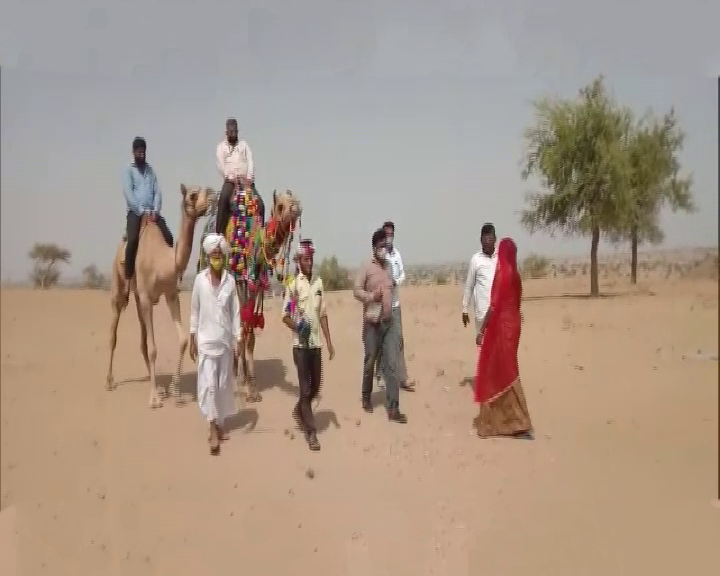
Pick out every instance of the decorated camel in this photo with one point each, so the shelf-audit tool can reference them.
(158, 269)
(256, 252)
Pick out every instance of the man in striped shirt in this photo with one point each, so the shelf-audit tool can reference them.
(235, 163)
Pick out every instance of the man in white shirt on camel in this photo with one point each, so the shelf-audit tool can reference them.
(235, 163)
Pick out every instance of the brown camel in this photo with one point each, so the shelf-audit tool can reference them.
(158, 269)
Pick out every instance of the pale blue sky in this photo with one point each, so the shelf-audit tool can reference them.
(411, 111)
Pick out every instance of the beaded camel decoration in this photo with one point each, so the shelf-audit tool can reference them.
(256, 253)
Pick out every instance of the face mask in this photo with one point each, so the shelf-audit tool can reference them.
(217, 263)
(381, 253)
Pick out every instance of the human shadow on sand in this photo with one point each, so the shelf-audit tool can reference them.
(271, 372)
(323, 419)
(246, 419)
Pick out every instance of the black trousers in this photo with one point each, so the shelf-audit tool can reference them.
(132, 230)
(308, 362)
(223, 207)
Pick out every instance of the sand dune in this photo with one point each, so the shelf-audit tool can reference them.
(623, 392)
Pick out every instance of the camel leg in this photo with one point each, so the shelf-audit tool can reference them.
(249, 349)
(173, 302)
(143, 334)
(117, 309)
(146, 309)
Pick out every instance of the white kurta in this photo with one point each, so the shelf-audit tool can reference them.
(478, 285)
(215, 321)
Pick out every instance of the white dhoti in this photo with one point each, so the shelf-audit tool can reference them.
(216, 386)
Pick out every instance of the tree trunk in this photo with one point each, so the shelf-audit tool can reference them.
(633, 254)
(595, 242)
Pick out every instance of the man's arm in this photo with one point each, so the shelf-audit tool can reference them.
(359, 289)
(324, 322)
(469, 285)
(128, 190)
(287, 303)
(235, 311)
(195, 307)
(220, 160)
(250, 163)
(157, 195)
(401, 269)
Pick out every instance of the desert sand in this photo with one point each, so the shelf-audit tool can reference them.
(621, 478)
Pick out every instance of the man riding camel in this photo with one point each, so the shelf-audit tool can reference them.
(235, 163)
(142, 195)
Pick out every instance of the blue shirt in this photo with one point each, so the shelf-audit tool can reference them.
(141, 190)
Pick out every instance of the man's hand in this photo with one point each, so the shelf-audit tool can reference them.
(377, 296)
(193, 348)
(331, 350)
(465, 319)
(478, 338)
(153, 216)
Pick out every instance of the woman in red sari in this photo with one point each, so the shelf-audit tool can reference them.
(503, 409)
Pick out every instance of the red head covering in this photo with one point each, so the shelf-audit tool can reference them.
(497, 367)
(305, 248)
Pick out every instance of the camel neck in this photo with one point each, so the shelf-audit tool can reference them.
(184, 243)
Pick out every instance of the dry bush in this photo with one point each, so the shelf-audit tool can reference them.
(535, 266)
(334, 276)
(93, 278)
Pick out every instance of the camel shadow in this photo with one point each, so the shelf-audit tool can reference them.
(187, 384)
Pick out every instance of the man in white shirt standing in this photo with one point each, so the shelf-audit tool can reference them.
(235, 163)
(481, 272)
(398, 276)
(215, 338)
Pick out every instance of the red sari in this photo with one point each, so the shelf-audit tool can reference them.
(503, 409)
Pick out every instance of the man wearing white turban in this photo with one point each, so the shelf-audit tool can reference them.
(215, 338)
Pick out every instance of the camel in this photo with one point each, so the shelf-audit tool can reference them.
(264, 250)
(158, 269)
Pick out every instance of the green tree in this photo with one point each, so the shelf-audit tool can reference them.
(46, 256)
(655, 183)
(577, 148)
(334, 276)
(92, 278)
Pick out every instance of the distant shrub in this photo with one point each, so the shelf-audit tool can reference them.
(440, 279)
(334, 276)
(93, 279)
(535, 266)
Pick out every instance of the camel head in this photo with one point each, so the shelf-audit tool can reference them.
(195, 200)
(286, 209)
